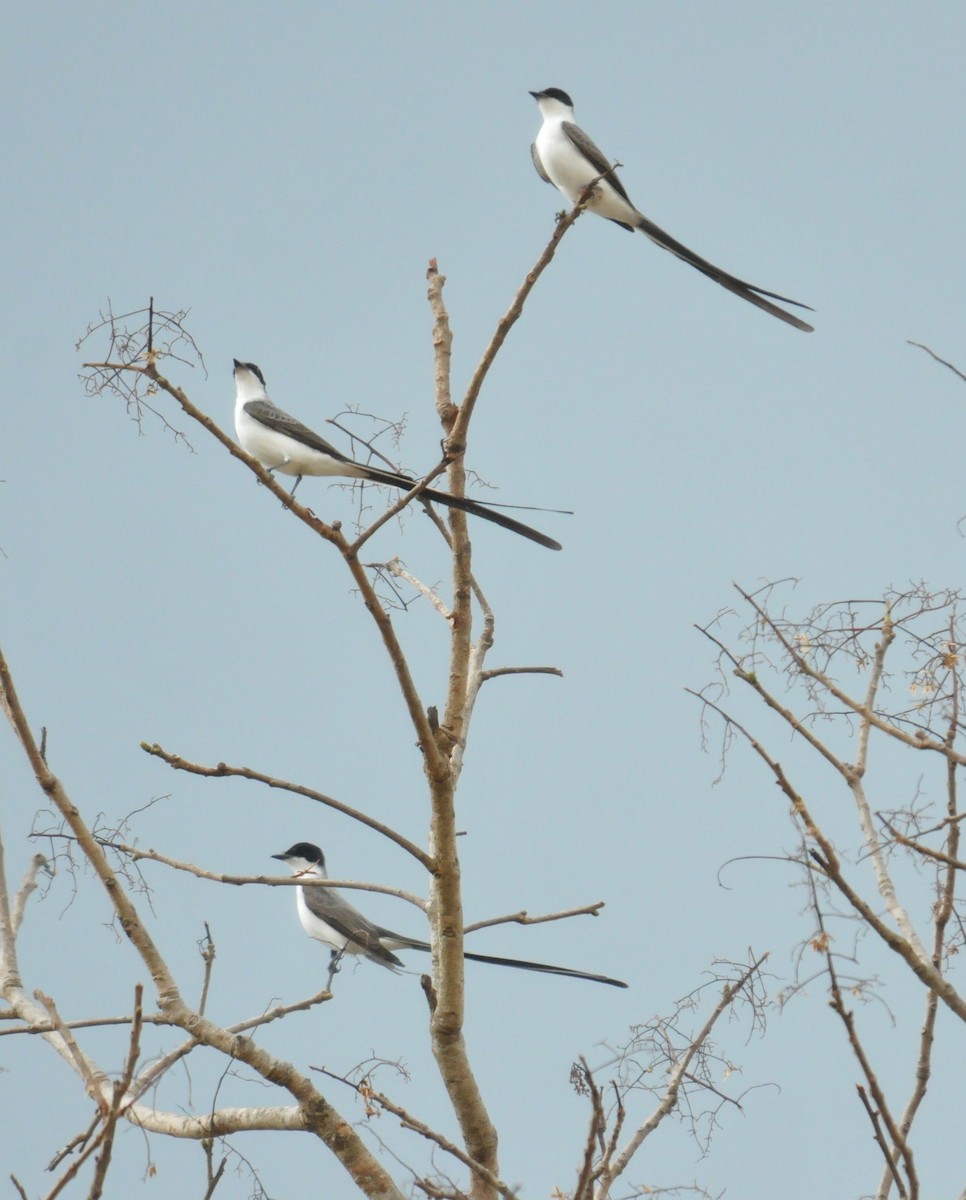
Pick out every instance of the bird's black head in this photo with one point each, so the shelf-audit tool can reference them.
(250, 367)
(306, 850)
(553, 94)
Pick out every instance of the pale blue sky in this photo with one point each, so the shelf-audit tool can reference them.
(286, 172)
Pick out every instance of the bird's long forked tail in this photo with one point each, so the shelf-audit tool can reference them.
(756, 296)
(544, 968)
(747, 291)
(474, 507)
(523, 965)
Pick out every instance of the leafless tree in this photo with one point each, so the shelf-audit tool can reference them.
(144, 349)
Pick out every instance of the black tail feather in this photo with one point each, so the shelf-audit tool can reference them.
(475, 508)
(747, 291)
(544, 968)
(523, 965)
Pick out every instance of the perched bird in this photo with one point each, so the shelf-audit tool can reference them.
(281, 443)
(566, 157)
(328, 917)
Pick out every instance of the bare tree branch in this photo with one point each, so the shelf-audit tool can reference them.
(677, 1074)
(837, 1002)
(521, 918)
(223, 770)
(457, 439)
(282, 881)
(880, 1140)
(121, 1087)
(372, 1097)
(932, 354)
(497, 672)
(313, 1111)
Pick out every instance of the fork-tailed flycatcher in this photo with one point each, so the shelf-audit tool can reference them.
(566, 157)
(281, 443)
(328, 917)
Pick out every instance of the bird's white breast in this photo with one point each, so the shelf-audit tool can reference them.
(568, 170)
(316, 928)
(261, 443)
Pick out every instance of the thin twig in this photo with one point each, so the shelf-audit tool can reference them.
(264, 880)
(496, 672)
(37, 863)
(877, 1134)
(596, 1128)
(79, 1060)
(456, 443)
(848, 1020)
(206, 948)
(223, 770)
(79, 1139)
(926, 851)
(395, 508)
(395, 567)
(933, 354)
(121, 1086)
(521, 918)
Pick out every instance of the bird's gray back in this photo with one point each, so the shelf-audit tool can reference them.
(595, 156)
(267, 414)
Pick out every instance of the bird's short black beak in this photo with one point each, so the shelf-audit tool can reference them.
(536, 95)
(283, 857)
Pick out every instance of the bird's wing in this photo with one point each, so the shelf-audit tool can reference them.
(332, 907)
(538, 164)
(748, 291)
(595, 157)
(267, 414)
